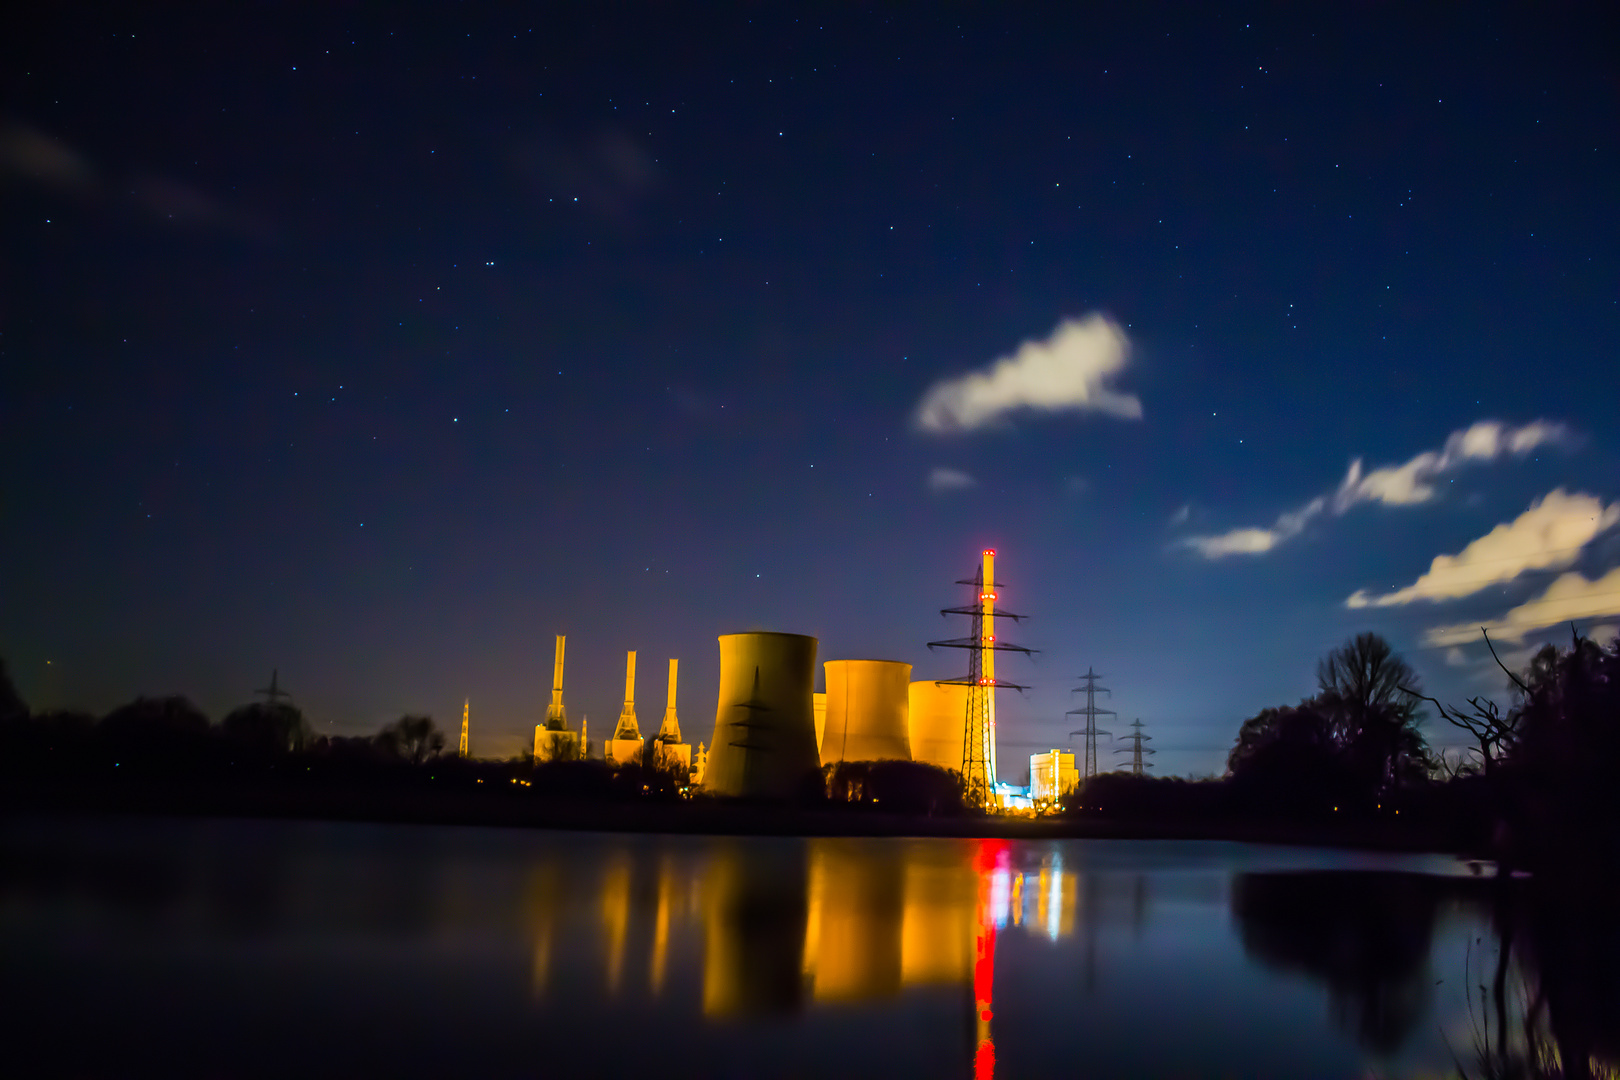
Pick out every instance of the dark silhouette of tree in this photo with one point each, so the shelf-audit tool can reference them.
(1355, 741)
(12, 708)
(1288, 759)
(412, 739)
(268, 728)
(1372, 697)
(155, 722)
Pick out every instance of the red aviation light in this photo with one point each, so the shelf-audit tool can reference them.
(989, 551)
(987, 596)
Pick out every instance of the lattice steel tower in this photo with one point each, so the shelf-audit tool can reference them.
(1136, 749)
(1091, 712)
(979, 724)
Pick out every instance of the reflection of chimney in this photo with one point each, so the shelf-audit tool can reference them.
(670, 730)
(556, 719)
(628, 728)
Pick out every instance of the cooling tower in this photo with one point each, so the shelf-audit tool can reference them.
(764, 726)
(938, 712)
(819, 703)
(867, 709)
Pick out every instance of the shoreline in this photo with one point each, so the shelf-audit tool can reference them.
(700, 817)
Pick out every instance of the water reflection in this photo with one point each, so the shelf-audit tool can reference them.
(830, 956)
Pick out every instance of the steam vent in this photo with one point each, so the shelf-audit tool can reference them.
(764, 726)
(867, 711)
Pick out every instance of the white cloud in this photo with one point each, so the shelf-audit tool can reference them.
(1069, 371)
(1549, 535)
(1455, 657)
(1256, 541)
(1569, 598)
(1181, 515)
(943, 479)
(1408, 483)
(1394, 485)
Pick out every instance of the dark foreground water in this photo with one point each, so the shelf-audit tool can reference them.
(291, 949)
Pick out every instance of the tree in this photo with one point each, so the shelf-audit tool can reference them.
(1354, 741)
(1372, 697)
(12, 708)
(269, 727)
(412, 738)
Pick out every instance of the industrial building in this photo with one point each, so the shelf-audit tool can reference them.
(773, 732)
(1052, 775)
(669, 752)
(626, 745)
(867, 711)
(552, 740)
(764, 725)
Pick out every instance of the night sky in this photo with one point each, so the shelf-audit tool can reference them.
(380, 347)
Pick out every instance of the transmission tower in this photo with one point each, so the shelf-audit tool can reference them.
(979, 724)
(1136, 749)
(1091, 712)
(274, 694)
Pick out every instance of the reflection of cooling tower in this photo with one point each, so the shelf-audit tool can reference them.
(755, 913)
(938, 712)
(852, 945)
(764, 727)
(867, 710)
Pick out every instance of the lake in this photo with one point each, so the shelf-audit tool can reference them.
(249, 948)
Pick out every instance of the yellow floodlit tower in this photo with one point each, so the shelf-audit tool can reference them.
(556, 719)
(625, 746)
(466, 712)
(987, 665)
(552, 740)
(669, 752)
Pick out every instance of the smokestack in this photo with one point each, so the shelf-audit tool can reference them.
(466, 713)
(670, 730)
(556, 719)
(987, 598)
(628, 728)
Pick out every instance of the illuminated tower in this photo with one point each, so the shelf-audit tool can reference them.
(625, 746)
(556, 718)
(552, 740)
(669, 752)
(979, 725)
(466, 713)
(987, 665)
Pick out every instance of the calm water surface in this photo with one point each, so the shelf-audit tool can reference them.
(275, 948)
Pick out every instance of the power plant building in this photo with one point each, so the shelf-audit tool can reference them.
(552, 740)
(867, 711)
(764, 727)
(936, 714)
(669, 753)
(625, 746)
(1052, 775)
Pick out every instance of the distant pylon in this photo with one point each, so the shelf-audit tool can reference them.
(979, 724)
(1136, 749)
(1091, 712)
(273, 693)
(466, 714)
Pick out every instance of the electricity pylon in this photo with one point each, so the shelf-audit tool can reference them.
(1136, 749)
(1091, 712)
(979, 724)
(274, 694)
